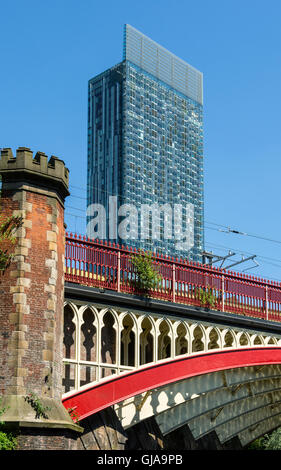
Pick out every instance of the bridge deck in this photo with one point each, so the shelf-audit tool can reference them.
(96, 264)
(124, 349)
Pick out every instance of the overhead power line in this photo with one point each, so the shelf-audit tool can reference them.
(237, 232)
(263, 259)
(228, 229)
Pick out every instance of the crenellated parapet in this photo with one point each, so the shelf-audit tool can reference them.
(37, 171)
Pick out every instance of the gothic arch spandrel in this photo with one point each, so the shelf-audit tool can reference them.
(109, 311)
(108, 338)
(214, 338)
(256, 340)
(147, 340)
(88, 336)
(228, 339)
(164, 340)
(270, 340)
(199, 338)
(133, 317)
(182, 339)
(70, 331)
(128, 341)
(243, 338)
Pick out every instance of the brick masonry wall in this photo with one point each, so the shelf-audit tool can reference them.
(9, 313)
(31, 439)
(33, 298)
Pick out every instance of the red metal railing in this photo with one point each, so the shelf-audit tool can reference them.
(102, 264)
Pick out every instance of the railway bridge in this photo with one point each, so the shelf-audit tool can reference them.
(169, 363)
(91, 361)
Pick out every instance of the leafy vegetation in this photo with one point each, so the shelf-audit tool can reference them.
(206, 297)
(8, 225)
(147, 276)
(36, 404)
(8, 440)
(270, 441)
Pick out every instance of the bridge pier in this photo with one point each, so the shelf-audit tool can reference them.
(31, 301)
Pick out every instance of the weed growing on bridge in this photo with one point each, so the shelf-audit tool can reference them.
(147, 276)
(207, 297)
(36, 404)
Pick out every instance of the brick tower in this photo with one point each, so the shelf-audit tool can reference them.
(31, 301)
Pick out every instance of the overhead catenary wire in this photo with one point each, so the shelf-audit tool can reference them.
(229, 230)
(237, 232)
(222, 228)
(239, 251)
(208, 228)
(264, 259)
(207, 243)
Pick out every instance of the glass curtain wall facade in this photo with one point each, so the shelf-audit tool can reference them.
(145, 146)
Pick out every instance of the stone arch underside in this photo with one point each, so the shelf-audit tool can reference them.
(240, 401)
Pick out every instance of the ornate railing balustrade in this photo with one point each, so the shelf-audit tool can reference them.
(109, 266)
(102, 342)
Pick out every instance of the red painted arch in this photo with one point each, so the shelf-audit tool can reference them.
(101, 395)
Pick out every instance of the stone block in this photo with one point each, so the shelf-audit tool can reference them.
(51, 236)
(19, 298)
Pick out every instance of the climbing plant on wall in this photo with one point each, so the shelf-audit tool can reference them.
(8, 225)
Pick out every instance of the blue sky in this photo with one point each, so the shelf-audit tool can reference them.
(49, 51)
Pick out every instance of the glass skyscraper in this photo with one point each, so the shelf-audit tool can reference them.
(145, 151)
